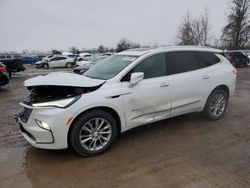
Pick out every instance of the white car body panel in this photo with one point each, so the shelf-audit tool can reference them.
(63, 79)
(139, 105)
(38, 62)
(149, 101)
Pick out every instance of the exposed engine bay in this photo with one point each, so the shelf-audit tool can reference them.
(40, 94)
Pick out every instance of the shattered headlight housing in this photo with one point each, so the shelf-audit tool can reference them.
(62, 103)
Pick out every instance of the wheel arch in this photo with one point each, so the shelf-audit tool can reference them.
(104, 108)
(222, 87)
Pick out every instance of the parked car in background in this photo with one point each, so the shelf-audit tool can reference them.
(129, 89)
(84, 58)
(59, 61)
(84, 54)
(88, 60)
(237, 58)
(47, 58)
(107, 54)
(40, 64)
(12, 64)
(4, 75)
(84, 67)
(29, 59)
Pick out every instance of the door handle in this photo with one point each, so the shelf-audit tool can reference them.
(164, 85)
(205, 77)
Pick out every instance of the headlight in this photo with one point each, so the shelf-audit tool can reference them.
(64, 103)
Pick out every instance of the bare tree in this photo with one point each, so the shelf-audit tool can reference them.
(194, 31)
(125, 44)
(205, 25)
(54, 51)
(236, 32)
(74, 50)
(185, 35)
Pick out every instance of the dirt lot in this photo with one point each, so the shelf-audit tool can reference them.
(187, 151)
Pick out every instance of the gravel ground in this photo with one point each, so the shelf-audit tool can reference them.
(187, 151)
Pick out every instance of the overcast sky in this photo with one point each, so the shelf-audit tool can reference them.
(59, 24)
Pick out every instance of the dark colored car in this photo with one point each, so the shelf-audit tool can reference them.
(237, 58)
(4, 75)
(30, 60)
(12, 65)
(83, 68)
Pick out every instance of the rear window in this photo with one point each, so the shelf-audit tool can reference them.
(181, 61)
(208, 58)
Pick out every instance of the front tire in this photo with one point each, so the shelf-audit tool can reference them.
(216, 105)
(93, 133)
(68, 65)
(46, 66)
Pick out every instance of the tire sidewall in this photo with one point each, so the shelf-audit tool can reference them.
(74, 134)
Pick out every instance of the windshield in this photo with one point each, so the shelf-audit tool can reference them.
(109, 67)
(98, 60)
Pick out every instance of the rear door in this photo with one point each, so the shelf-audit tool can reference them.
(187, 82)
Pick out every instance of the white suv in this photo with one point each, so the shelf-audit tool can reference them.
(129, 89)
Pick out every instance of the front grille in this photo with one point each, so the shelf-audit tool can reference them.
(25, 114)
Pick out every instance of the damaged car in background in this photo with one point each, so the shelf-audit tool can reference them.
(83, 68)
(129, 89)
(4, 75)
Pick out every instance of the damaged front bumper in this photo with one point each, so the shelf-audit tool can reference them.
(40, 137)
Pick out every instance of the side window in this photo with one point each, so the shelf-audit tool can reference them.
(61, 58)
(208, 58)
(154, 66)
(182, 61)
(55, 59)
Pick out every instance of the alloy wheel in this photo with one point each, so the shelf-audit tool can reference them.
(218, 105)
(95, 134)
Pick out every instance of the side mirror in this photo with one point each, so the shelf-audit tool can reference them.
(136, 78)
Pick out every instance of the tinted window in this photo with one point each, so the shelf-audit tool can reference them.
(208, 58)
(178, 62)
(154, 66)
(57, 58)
(54, 59)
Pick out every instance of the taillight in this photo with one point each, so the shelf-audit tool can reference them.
(2, 69)
(235, 71)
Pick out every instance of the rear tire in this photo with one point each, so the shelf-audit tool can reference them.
(216, 105)
(93, 133)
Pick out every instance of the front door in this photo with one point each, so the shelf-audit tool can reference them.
(150, 99)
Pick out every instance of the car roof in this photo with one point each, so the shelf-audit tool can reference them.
(142, 51)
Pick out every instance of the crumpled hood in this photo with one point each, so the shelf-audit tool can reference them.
(63, 79)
